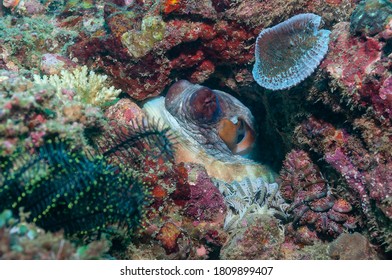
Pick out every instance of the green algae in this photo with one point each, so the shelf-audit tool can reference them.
(139, 43)
(24, 40)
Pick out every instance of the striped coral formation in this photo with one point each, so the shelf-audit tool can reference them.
(289, 52)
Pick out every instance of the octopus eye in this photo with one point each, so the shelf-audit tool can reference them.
(204, 105)
(238, 137)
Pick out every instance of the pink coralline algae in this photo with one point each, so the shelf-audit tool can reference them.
(360, 68)
(368, 176)
(357, 70)
(205, 202)
(186, 208)
(312, 203)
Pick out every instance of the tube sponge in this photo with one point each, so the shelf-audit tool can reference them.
(289, 52)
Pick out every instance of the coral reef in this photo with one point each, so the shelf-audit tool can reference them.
(31, 113)
(365, 178)
(289, 52)
(185, 217)
(360, 151)
(193, 163)
(260, 240)
(341, 117)
(25, 40)
(25, 241)
(312, 203)
(196, 40)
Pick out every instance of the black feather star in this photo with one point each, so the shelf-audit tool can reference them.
(80, 193)
(71, 191)
(138, 139)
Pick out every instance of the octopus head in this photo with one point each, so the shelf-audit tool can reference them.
(215, 119)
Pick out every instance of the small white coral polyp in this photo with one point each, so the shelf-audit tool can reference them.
(88, 87)
(289, 52)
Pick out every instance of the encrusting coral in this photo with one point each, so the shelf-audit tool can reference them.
(81, 85)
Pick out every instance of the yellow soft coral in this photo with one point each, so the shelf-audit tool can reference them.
(88, 87)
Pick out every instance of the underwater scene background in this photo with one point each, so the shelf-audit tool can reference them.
(195, 129)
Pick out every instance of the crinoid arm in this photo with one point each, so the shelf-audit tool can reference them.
(64, 189)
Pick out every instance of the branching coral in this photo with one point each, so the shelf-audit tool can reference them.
(81, 85)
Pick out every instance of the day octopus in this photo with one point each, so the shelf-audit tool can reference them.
(214, 129)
